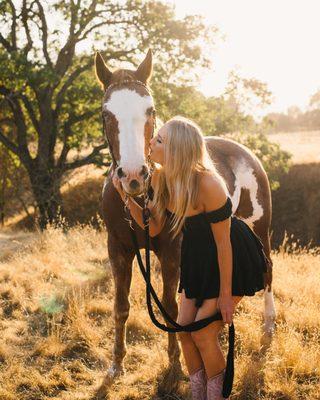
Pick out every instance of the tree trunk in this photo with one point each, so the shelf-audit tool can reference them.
(46, 190)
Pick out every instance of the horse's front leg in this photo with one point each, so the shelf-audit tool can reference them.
(170, 276)
(121, 263)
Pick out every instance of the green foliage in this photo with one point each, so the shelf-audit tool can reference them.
(215, 115)
(47, 72)
(247, 92)
(223, 116)
(52, 98)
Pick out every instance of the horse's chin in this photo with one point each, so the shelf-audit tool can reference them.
(136, 193)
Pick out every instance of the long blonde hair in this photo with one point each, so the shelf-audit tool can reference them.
(184, 156)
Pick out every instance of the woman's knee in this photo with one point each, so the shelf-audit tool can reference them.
(206, 335)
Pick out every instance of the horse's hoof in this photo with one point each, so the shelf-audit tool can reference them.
(112, 373)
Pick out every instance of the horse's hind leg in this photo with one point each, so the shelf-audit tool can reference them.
(121, 263)
(269, 311)
(269, 306)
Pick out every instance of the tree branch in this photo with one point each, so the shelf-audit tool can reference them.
(102, 23)
(86, 160)
(14, 104)
(67, 129)
(86, 17)
(24, 18)
(13, 26)
(31, 113)
(10, 145)
(78, 118)
(6, 121)
(44, 29)
(66, 53)
(5, 43)
(68, 82)
(64, 152)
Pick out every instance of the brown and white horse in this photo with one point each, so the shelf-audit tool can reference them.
(128, 112)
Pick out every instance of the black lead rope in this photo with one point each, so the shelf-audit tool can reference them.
(194, 326)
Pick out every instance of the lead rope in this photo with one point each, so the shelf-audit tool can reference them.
(194, 326)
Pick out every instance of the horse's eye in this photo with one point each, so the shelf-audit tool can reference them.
(106, 115)
(151, 112)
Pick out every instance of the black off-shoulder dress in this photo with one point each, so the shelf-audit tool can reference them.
(199, 268)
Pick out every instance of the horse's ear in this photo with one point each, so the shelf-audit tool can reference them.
(102, 71)
(144, 71)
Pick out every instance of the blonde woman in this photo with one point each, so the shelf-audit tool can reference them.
(220, 259)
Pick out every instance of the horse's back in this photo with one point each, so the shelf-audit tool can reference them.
(245, 176)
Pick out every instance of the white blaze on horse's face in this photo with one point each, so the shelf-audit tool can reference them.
(129, 108)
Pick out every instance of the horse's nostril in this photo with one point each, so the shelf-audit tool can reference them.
(134, 184)
(120, 173)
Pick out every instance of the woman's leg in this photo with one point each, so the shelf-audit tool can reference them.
(192, 356)
(187, 314)
(206, 339)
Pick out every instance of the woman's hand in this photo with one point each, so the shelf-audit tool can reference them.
(226, 306)
(117, 184)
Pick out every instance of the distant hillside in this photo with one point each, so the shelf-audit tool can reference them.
(296, 205)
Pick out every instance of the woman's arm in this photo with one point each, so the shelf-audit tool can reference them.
(221, 232)
(214, 197)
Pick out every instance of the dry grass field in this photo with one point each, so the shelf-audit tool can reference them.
(56, 304)
(56, 322)
(304, 146)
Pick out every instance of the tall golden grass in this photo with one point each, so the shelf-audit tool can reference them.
(57, 326)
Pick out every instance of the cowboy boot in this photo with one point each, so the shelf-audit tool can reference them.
(214, 387)
(198, 383)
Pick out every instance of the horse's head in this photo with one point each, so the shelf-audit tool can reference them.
(129, 120)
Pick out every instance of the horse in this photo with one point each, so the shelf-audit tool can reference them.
(128, 113)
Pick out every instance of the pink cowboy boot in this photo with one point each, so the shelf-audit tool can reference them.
(214, 387)
(198, 382)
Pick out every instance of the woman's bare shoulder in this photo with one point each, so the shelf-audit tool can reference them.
(209, 178)
(212, 188)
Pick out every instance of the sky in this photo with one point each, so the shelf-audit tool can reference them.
(275, 41)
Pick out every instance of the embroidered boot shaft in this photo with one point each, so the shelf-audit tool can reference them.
(214, 387)
(198, 382)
